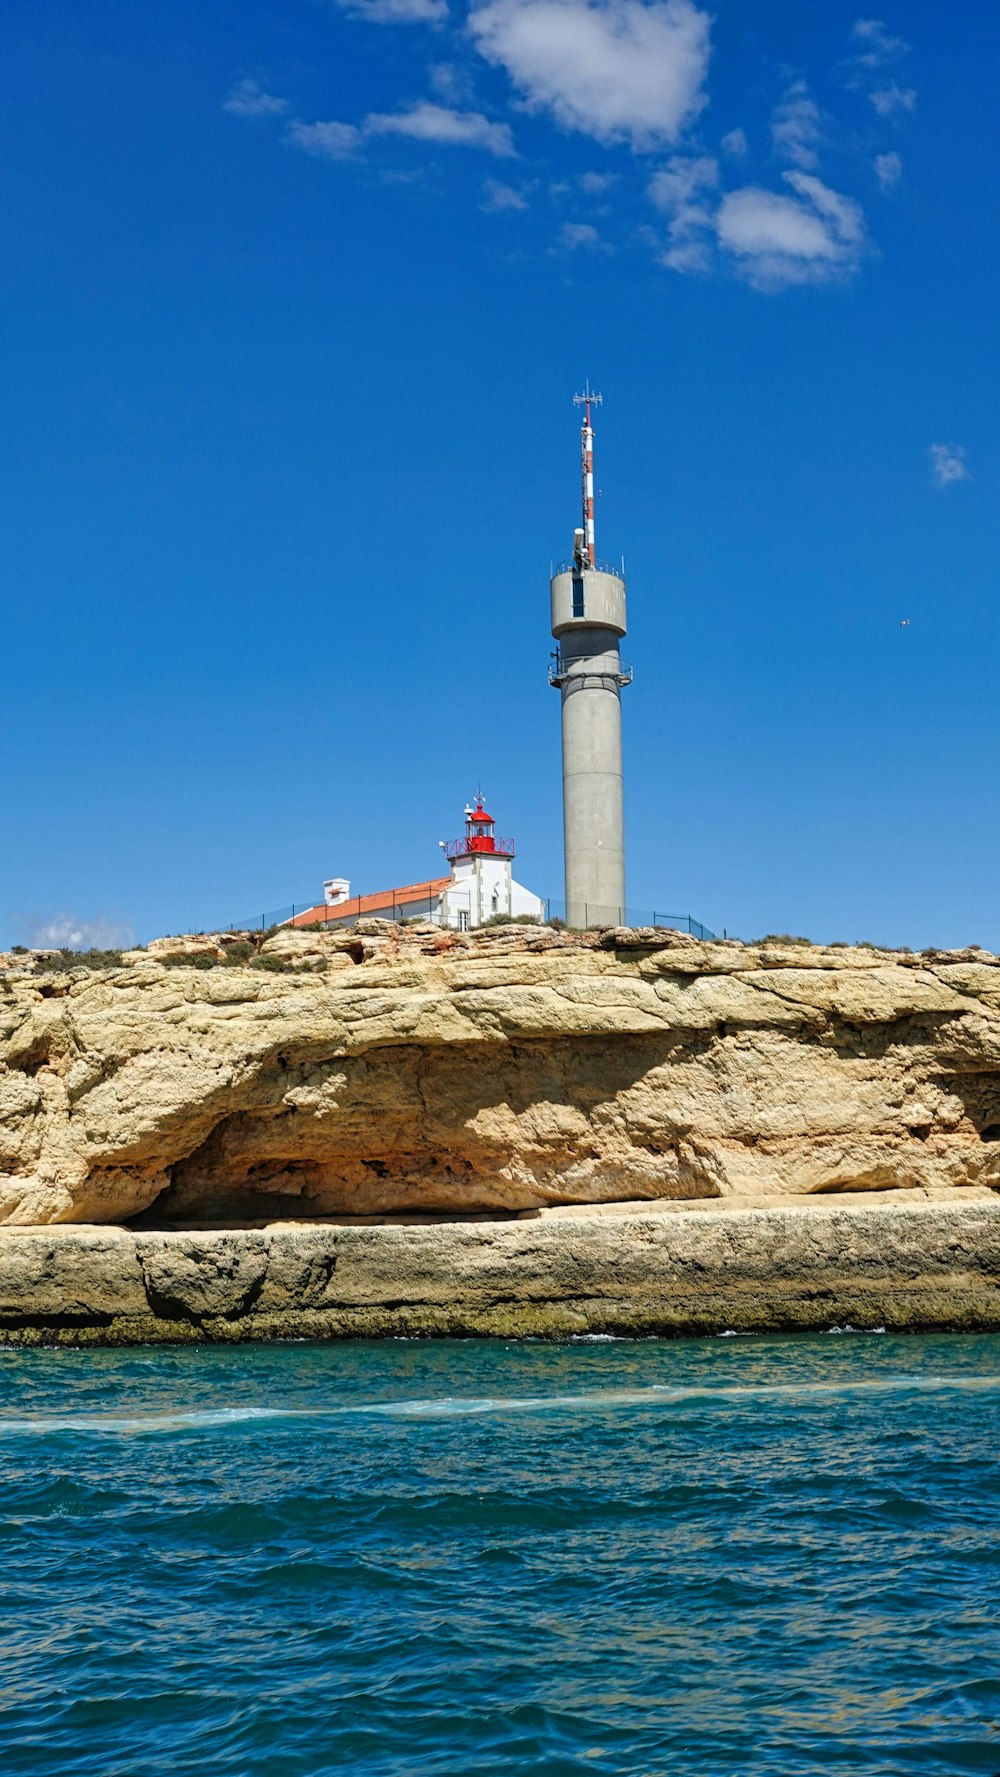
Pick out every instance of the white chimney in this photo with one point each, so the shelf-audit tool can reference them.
(335, 891)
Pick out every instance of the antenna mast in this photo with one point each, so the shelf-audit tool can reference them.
(586, 400)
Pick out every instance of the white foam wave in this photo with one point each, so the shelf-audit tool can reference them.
(657, 1395)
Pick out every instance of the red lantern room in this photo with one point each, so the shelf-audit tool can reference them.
(479, 836)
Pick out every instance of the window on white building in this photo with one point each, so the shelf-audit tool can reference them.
(463, 920)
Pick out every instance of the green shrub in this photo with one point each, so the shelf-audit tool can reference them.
(81, 959)
(240, 952)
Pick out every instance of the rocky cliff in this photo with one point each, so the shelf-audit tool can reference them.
(677, 1268)
(401, 1070)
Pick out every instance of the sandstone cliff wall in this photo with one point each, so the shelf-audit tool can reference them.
(416, 1070)
(556, 1274)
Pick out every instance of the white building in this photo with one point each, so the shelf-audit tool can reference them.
(480, 887)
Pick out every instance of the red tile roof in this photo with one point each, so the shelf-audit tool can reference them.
(359, 906)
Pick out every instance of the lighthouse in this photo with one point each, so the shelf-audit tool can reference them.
(482, 886)
(588, 622)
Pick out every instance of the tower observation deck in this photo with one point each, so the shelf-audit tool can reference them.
(588, 623)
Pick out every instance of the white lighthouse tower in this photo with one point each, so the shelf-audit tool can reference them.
(482, 884)
(588, 622)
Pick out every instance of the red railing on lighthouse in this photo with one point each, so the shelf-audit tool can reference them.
(479, 837)
(484, 843)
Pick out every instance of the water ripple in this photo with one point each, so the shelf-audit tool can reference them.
(660, 1395)
(700, 1558)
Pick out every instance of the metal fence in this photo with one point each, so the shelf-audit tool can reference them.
(427, 907)
(631, 916)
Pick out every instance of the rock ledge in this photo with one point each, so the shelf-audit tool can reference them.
(557, 1274)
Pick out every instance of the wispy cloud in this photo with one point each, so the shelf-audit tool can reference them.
(814, 237)
(877, 46)
(887, 100)
(451, 83)
(427, 122)
(618, 71)
(796, 128)
(632, 74)
(329, 141)
(397, 12)
(888, 170)
(684, 190)
(948, 465)
(597, 184)
(574, 235)
(870, 68)
(498, 197)
(248, 99)
(67, 931)
(772, 239)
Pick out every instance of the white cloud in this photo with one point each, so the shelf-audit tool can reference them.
(888, 170)
(682, 189)
(330, 141)
(499, 197)
(813, 237)
(616, 70)
(948, 464)
(842, 213)
(67, 931)
(427, 122)
(878, 46)
(451, 83)
(688, 256)
(673, 186)
(247, 99)
(868, 68)
(423, 123)
(580, 234)
(596, 184)
(762, 223)
(735, 142)
(774, 239)
(887, 100)
(795, 126)
(397, 12)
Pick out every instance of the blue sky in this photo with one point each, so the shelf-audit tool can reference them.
(295, 296)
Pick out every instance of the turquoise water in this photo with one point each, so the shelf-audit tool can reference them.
(408, 1559)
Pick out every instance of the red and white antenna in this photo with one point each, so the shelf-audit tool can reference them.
(586, 401)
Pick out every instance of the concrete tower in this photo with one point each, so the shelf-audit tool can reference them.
(588, 622)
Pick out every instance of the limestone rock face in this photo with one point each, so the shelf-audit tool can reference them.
(388, 1069)
(675, 1268)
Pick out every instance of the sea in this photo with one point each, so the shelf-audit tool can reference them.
(667, 1558)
